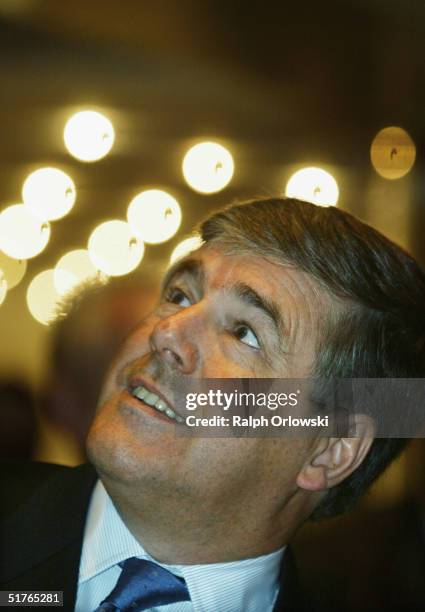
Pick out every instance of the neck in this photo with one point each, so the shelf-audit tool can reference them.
(177, 529)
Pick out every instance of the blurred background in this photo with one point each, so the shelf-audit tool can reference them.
(122, 125)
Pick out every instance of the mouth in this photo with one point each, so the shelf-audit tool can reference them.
(147, 396)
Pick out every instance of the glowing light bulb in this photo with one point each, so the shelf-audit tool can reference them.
(42, 297)
(185, 247)
(89, 135)
(313, 185)
(13, 270)
(392, 152)
(74, 268)
(3, 287)
(22, 235)
(114, 249)
(49, 193)
(208, 167)
(154, 216)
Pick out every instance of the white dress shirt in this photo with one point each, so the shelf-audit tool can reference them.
(249, 585)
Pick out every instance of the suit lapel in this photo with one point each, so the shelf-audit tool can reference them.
(290, 597)
(44, 537)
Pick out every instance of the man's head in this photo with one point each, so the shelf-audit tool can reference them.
(280, 289)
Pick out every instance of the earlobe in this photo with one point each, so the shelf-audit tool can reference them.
(312, 479)
(334, 459)
(312, 476)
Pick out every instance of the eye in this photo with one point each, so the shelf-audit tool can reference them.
(245, 334)
(177, 296)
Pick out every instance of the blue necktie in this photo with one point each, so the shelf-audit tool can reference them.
(143, 585)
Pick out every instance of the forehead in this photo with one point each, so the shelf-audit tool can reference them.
(218, 269)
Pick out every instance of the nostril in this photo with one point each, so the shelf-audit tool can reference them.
(174, 356)
(178, 359)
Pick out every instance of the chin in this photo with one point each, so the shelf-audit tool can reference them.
(118, 457)
(110, 454)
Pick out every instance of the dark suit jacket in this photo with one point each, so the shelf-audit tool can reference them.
(42, 518)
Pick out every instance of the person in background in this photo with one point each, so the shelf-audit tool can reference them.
(91, 325)
(18, 424)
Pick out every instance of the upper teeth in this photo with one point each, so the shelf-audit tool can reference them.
(156, 402)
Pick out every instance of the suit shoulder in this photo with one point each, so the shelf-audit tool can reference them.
(17, 474)
(19, 481)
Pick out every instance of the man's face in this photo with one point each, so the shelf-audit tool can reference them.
(220, 316)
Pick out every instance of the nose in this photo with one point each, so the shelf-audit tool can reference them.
(170, 340)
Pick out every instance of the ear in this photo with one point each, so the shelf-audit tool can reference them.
(334, 459)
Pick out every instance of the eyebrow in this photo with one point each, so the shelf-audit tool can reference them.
(248, 295)
(185, 266)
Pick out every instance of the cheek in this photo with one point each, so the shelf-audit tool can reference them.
(281, 461)
(226, 357)
(136, 344)
(249, 469)
(134, 347)
(139, 337)
(223, 362)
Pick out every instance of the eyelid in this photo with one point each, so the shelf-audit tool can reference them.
(176, 282)
(167, 293)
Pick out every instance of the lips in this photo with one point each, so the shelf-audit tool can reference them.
(149, 395)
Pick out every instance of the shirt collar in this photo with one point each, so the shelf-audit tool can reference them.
(107, 541)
